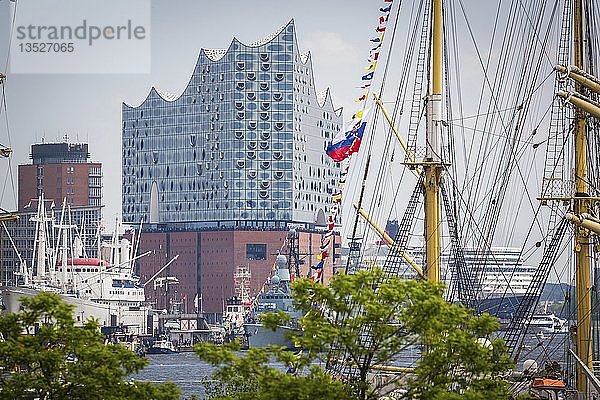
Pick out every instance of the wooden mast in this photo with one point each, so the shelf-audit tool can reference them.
(432, 165)
(581, 204)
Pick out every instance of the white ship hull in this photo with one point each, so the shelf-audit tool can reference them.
(108, 313)
(548, 323)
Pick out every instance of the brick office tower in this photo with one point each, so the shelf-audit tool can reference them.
(60, 171)
(219, 173)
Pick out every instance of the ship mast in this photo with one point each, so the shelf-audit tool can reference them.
(432, 164)
(581, 203)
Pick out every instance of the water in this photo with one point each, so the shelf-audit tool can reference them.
(544, 349)
(187, 370)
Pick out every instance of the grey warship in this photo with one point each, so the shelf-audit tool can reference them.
(278, 297)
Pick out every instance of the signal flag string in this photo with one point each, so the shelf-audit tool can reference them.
(347, 141)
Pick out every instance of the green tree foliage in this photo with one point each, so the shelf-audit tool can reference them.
(462, 359)
(396, 314)
(254, 375)
(43, 355)
(337, 316)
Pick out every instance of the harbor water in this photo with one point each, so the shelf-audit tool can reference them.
(185, 369)
(188, 371)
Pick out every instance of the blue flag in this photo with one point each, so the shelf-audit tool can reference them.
(368, 76)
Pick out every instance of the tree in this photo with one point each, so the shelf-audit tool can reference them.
(367, 319)
(253, 376)
(336, 318)
(462, 359)
(43, 355)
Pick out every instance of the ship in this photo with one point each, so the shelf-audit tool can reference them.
(277, 298)
(107, 292)
(469, 178)
(238, 307)
(548, 323)
(503, 276)
(162, 346)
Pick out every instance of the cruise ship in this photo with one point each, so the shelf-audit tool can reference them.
(502, 276)
(503, 279)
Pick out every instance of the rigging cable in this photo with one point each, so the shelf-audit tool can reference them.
(373, 129)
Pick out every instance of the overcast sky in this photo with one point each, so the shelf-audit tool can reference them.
(87, 107)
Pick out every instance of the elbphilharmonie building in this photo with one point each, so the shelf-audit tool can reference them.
(242, 145)
(219, 173)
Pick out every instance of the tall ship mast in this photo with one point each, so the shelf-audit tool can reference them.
(432, 165)
(582, 202)
(581, 205)
(476, 168)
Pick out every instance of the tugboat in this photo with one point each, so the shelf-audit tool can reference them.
(233, 320)
(238, 308)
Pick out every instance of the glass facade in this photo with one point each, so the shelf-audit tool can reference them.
(244, 143)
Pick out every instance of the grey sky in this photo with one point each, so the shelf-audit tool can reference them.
(87, 107)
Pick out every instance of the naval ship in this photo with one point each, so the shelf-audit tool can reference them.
(277, 298)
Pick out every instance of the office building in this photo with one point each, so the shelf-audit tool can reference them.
(62, 172)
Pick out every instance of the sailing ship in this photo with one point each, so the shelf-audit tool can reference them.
(473, 173)
(108, 292)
